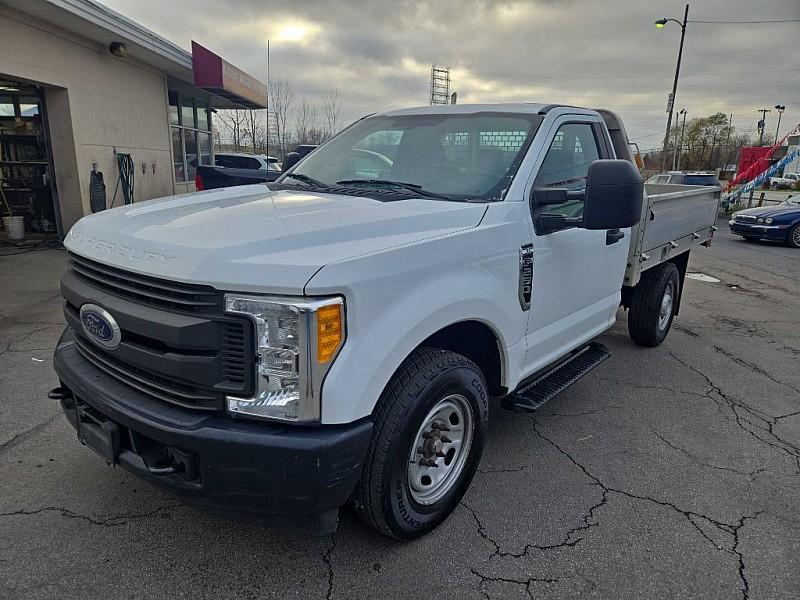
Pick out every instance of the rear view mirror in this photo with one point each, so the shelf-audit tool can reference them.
(614, 194)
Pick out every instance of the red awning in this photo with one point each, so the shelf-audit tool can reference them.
(218, 76)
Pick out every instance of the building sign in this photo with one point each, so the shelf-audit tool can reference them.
(219, 77)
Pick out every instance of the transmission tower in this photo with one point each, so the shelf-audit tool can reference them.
(440, 85)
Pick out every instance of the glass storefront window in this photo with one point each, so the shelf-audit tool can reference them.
(187, 112)
(190, 145)
(177, 155)
(204, 146)
(191, 123)
(203, 116)
(174, 118)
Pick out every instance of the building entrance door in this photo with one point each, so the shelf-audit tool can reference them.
(26, 166)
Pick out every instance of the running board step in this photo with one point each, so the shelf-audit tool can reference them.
(551, 384)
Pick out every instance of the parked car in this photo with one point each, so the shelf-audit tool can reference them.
(338, 336)
(232, 169)
(239, 160)
(780, 223)
(784, 182)
(686, 178)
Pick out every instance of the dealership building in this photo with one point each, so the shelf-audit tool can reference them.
(96, 109)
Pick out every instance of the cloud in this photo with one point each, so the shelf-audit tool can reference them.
(587, 52)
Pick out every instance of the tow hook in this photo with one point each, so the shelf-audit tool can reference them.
(60, 393)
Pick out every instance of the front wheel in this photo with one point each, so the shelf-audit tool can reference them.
(653, 305)
(794, 236)
(430, 428)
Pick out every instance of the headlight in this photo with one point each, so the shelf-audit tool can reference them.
(768, 220)
(296, 343)
(759, 220)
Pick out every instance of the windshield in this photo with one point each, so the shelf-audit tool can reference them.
(701, 180)
(459, 156)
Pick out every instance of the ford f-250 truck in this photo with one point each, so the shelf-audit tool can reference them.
(337, 336)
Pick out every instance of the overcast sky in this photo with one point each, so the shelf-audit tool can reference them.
(583, 52)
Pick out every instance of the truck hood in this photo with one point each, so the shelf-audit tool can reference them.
(250, 238)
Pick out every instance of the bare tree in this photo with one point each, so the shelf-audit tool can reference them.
(233, 125)
(281, 98)
(332, 107)
(306, 122)
(254, 130)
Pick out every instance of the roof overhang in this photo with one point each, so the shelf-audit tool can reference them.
(98, 23)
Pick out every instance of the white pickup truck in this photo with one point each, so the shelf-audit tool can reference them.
(338, 335)
(785, 181)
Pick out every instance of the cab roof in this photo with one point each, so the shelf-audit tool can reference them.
(463, 109)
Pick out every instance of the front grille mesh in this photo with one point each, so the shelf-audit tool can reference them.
(745, 219)
(148, 382)
(231, 344)
(142, 288)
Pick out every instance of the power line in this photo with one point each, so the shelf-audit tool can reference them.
(745, 22)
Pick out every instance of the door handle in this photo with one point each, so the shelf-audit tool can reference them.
(613, 236)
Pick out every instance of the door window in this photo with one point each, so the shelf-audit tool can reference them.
(566, 164)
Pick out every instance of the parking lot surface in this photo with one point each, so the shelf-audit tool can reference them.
(671, 472)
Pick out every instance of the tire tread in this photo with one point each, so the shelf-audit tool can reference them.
(646, 304)
(412, 377)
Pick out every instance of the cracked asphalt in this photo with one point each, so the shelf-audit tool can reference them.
(671, 472)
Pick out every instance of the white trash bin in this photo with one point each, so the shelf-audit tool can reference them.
(15, 228)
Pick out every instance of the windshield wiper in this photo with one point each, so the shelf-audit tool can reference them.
(412, 187)
(305, 179)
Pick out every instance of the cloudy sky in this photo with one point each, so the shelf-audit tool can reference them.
(606, 53)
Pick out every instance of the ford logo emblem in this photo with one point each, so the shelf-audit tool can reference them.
(100, 326)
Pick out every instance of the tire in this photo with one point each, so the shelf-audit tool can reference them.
(650, 315)
(384, 497)
(793, 239)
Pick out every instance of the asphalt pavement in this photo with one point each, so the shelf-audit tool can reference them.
(671, 472)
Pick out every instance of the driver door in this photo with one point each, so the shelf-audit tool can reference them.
(577, 273)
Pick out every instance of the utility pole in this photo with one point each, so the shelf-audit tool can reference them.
(671, 101)
(267, 144)
(676, 163)
(762, 124)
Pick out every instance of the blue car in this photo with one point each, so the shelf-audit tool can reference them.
(780, 223)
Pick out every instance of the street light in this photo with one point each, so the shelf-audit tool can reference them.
(660, 24)
(780, 108)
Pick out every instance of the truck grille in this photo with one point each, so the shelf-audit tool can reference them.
(142, 288)
(177, 344)
(150, 383)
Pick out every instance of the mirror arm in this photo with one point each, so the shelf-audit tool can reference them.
(576, 194)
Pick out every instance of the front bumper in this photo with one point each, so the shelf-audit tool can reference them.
(762, 232)
(299, 475)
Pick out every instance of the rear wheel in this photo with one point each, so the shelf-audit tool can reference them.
(794, 236)
(653, 305)
(430, 428)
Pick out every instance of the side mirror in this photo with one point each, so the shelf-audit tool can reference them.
(614, 194)
(291, 159)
